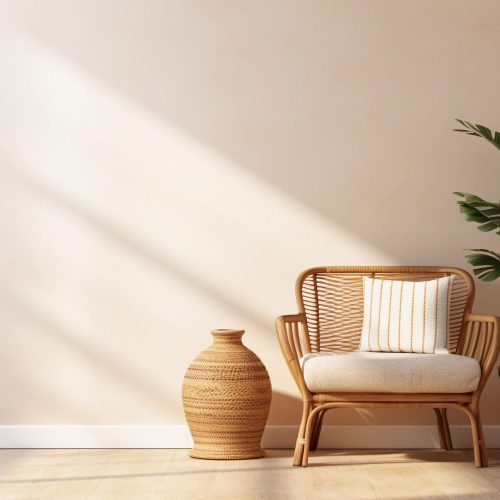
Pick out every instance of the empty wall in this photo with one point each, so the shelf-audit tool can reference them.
(169, 167)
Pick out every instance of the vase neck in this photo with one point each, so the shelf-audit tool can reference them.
(227, 336)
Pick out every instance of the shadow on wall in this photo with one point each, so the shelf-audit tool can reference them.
(285, 409)
(320, 104)
(133, 244)
(105, 364)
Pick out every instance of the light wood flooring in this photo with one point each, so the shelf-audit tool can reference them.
(171, 474)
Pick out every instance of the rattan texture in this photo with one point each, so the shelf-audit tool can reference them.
(333, 305)
(226, 395)
(330, 319)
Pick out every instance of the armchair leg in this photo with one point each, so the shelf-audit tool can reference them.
(299, 446)
(318, 424)
(446, 427)
(477, 436)
(443, 428)
(313, 415)
(441, 431)
(482, 444)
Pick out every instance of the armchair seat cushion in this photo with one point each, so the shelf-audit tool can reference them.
(390, 372)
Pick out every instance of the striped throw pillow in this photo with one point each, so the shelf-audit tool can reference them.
(406, 316)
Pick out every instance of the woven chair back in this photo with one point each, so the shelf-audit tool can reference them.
(332, 300)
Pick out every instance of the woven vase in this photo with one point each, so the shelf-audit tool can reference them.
(226, 395)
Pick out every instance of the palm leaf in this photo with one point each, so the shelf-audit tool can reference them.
(485, 263)
(479, 131)
(482, 212)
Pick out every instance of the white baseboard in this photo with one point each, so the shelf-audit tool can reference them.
(95, 436)
(275, 436)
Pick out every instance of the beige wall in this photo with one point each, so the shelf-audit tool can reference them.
(168, 167)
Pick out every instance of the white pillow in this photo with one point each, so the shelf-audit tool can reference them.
(406, 316)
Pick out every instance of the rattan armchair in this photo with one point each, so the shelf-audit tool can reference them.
(330, 303)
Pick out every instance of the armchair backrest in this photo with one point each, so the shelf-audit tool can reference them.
(332, 300)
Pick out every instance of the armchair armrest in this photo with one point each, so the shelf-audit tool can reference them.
(481, 340)
(294, 343)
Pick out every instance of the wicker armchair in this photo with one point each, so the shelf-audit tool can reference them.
(330, 303)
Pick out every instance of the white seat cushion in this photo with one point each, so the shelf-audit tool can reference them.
(390, 372)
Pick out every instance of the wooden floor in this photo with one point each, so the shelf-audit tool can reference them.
(171, 474)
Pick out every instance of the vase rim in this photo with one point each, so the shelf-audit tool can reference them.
(227, 331)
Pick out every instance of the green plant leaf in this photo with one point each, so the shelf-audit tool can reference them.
(485, 263)
(482, 212)
(479, 131)
(485, 250)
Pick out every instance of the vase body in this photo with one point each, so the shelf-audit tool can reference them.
(226, 396)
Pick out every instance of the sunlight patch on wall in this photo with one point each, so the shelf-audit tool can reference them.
(136, 237)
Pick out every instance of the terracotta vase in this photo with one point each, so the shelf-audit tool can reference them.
(226, 395)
